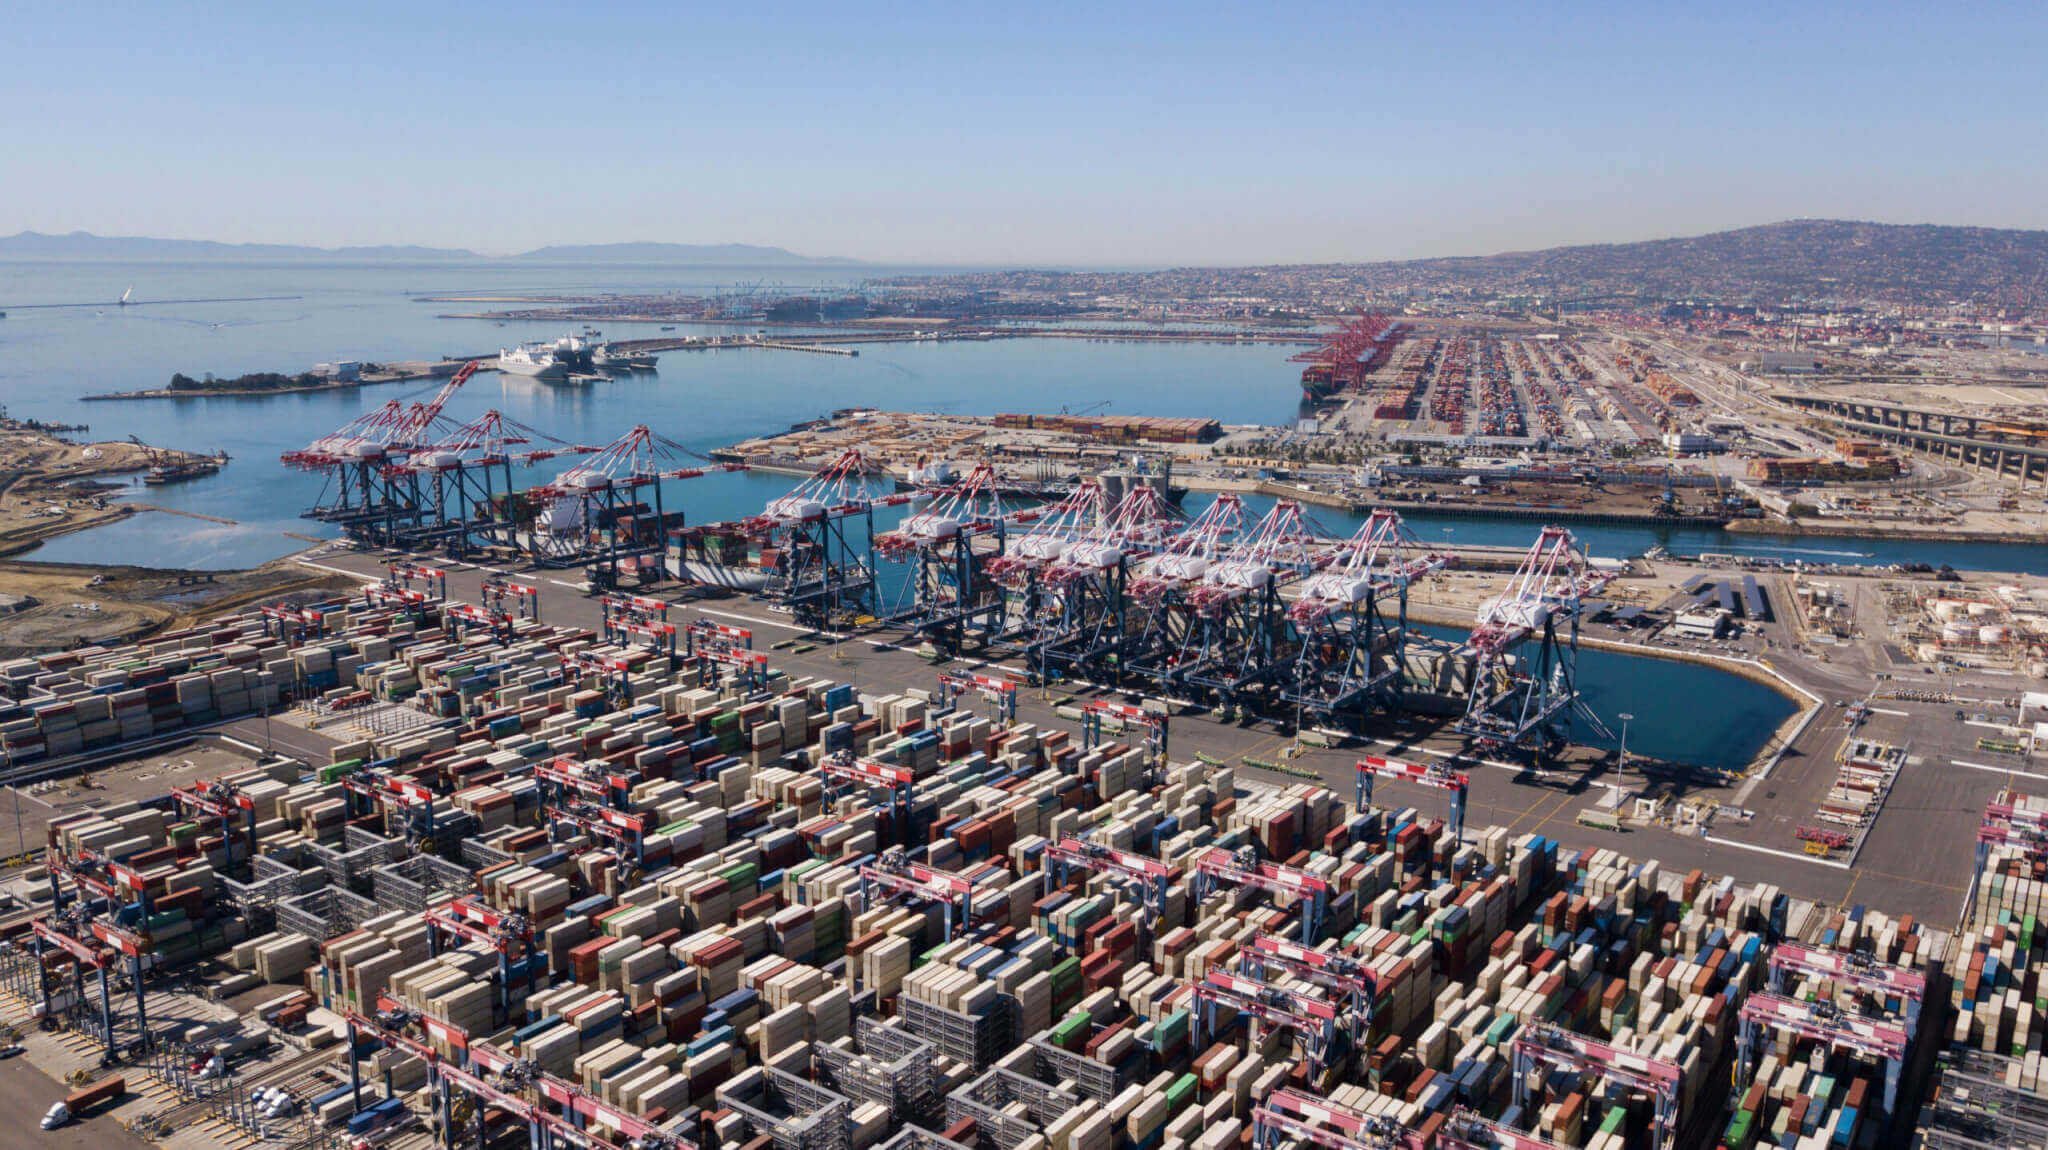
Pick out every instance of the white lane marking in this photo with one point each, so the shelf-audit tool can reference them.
(1793, 855)
(1887, 711)
(1997, 770)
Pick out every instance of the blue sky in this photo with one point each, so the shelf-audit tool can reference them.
(1015, 134)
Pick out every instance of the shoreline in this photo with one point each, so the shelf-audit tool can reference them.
(377, 380)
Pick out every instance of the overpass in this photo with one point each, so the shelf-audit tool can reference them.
(2007, 451)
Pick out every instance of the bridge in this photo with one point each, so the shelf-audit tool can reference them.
(2006, 450)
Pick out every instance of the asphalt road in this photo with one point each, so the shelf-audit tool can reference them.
(26, 1094)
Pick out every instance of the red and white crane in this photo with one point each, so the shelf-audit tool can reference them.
(1540, 1043)
(1148, 875)
(1243, 868)
(1519, 694)
(1140, 523)
(1058, 528)
(1187, 556)
(1286, 1114)
(1314, 1022)
(839, 488)
(1284, 545)
(1383, 556)
(1434, 776)
(1339, 972)
(971, 504)
(892, 873)
(1828, 1024)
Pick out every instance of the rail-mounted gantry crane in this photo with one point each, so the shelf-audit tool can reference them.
(1543, 1044)
(892, 873)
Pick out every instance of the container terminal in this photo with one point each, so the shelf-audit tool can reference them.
(1127, 830)
(397, 867)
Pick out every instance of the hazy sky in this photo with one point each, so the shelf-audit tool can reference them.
(1018, 133)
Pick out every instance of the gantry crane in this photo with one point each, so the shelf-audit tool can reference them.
(567, 775)
(402, 574)
(1084, 627)
(68, 932)
(1286, 1114)
(1351, 648)
(1339, 972)
(2006, 824)
(592, 513)
(227, 803)
(845, 766)
(1147, 877)
(1231, 640)
(519, 600)
(367, 787)
(1436, 777)
(827, 572)
(893, 873)
(951, 594)
(1522, 697)
(502, 931)
(363, 458)
(1153, 723)
(1468, 1130)
(625, 830)
(1825, 1022)
(1540, 1043)
(1000, 694)
(1314, 1022)
(494, 1078)
(1242, 866)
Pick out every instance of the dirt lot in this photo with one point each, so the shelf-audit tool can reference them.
(130, 602)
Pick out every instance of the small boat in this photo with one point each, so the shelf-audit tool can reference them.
(664, 327)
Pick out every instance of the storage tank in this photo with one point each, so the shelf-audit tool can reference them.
(1957, 633)
(1993, 634)
(1946, 609)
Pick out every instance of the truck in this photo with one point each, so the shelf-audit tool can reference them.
(78, 1102)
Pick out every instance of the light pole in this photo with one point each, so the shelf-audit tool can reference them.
(1621, 764)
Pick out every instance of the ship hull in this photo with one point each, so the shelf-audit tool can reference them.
(549, 372)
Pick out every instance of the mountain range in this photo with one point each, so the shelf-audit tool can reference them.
(85, 245)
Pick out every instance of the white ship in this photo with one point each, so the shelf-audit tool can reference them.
(536, 360)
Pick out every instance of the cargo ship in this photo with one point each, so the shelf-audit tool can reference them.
(180, 470)
(1360, 347)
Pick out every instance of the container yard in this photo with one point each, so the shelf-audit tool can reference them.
(640, 886)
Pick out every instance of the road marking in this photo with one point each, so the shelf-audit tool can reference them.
(1888, 711)
(1997, 770)
(1793, 855)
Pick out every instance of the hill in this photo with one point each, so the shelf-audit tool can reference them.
(1796, 259)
